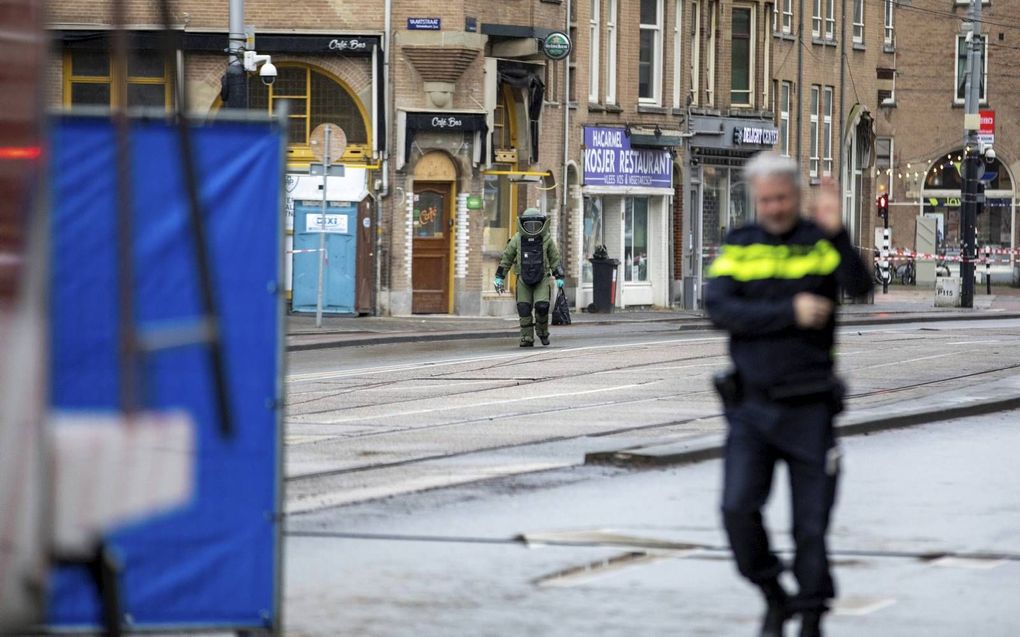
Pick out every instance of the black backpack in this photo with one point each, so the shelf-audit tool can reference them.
(532, 260)
(561, 310)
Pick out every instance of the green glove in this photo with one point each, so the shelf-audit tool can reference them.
(559, 283)
(498, 284)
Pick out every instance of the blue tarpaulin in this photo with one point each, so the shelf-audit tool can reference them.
(213, 561)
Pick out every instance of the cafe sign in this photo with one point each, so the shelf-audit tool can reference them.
(610, 161)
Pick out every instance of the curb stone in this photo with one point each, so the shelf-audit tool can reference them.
(710, 447)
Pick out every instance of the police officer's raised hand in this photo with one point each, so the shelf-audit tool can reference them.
(826, 211)
(811, 311)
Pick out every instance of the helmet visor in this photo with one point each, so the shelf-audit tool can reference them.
(532, 226)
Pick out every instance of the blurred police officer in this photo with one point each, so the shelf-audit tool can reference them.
(774, 288)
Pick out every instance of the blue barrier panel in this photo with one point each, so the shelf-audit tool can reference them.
(212, 562)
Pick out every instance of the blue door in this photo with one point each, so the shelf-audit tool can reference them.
(339, 280)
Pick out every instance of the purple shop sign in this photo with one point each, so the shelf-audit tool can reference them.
(610, 161)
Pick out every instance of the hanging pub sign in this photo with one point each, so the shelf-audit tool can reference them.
(609, 160)
(556, 45)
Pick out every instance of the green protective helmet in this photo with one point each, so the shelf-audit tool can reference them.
(532, 222)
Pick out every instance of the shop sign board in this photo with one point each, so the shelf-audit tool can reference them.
(609, 160)
(556, 45)
(755, 136)
(334, 224)
(986, 131)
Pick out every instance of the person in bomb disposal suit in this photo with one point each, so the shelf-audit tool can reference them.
(774, 288)
(534, 256)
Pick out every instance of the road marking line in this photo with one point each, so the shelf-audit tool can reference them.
(384, 369)
(909, 360)
(973, 563)
(859, 606)
(488, 403)
(972, 342)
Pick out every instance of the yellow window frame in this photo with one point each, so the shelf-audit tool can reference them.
(300, 155)
(116, 98)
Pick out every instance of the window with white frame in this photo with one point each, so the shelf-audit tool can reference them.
(742, 56)
(961, 70)
(710, 73)
(677, 53)
(830, 20)
(785, 88)
(787, 26)
(816, 19)
(890, 34)
(594, 27)
(650, 52)
(695, 56)
(611, 21)
(858, 22)
(813, 130)
(766, 99)
(827, 106)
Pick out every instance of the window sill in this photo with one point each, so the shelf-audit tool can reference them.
(859, 46)
(650, 108)
(889, 48)
(784, 36)
(613, 108)
(594, 107)
(963, 104)
(823, 42)
(679, 112)
(887, 104)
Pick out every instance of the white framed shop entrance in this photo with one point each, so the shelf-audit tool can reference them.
(633, 224)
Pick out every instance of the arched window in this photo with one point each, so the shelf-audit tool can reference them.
(312, 98)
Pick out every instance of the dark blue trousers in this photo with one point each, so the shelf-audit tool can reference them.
(760, 434)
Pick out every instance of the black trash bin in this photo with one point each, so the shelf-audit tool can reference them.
(604, 272)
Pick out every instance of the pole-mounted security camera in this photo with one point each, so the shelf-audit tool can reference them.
(989, 154)
(253, 61)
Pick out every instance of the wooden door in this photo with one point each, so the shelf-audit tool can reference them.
(433, 225)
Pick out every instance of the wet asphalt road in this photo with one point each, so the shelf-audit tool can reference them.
(445, 562)
(373, 422)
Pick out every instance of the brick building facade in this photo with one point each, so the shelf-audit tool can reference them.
(918, 160)
(464, 122)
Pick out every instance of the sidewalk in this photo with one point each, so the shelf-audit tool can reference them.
(899, 305)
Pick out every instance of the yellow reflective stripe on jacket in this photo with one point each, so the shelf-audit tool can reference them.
(762, 261)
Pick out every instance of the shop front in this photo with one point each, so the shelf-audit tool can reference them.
(627, 192)
(941, 200)
(441, 152)
(717, 194)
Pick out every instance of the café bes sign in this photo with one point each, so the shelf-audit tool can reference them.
(609, 160)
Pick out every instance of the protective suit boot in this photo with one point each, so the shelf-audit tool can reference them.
(777, 611)
(811, 624)
(527, 343)
(544, 338)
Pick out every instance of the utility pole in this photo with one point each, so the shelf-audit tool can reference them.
(235, 82)
(971, 161)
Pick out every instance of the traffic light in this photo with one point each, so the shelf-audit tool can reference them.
(883, 205)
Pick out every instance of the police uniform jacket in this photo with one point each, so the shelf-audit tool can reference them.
(750, 294)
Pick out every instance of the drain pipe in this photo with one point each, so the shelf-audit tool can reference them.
(842, 104)
(566, 135)
(800, 77)
(378, 200)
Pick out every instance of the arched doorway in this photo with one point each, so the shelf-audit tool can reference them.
(941, 199)
(432, 227)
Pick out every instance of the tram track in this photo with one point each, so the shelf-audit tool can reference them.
(601, 434)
